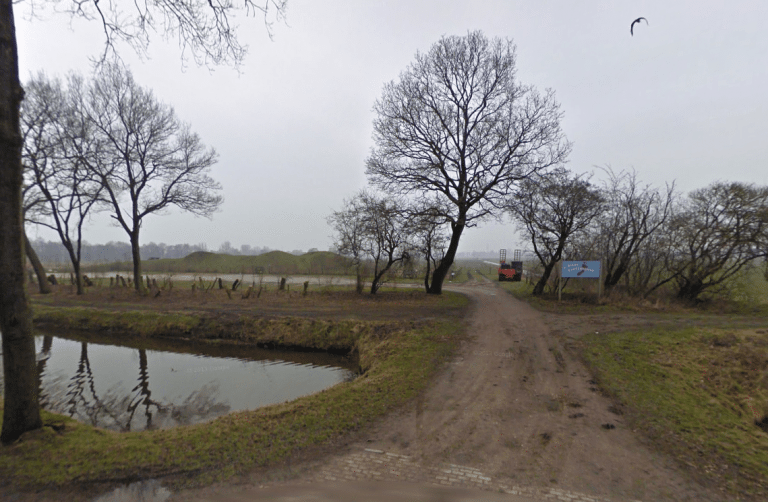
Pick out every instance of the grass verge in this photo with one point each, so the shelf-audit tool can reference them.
(699, 394)
(588, 303)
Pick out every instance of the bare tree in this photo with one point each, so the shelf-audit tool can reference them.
(202, 26)
(717, 232)
(460, 127)
(349, 224)
(427, 228)
(150, 160)
(372, 226)
(632, 215)
(387, 235)
(57, 145)
(550, 209)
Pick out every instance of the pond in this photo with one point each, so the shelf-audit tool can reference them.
(151, 384)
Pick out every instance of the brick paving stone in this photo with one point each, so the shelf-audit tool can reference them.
(380, 465)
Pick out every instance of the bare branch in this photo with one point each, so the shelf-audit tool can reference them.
(203, 28)
(458, 126)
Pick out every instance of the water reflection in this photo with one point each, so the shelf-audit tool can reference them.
(88, 379)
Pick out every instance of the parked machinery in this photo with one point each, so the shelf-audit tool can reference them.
(510, 271)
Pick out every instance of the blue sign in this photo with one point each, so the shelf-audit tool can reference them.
(581, 269)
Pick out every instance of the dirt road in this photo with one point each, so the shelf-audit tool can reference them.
(515, 413)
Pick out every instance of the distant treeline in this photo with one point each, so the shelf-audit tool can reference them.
(53, 253)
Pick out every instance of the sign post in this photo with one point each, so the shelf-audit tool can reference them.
(581, 270)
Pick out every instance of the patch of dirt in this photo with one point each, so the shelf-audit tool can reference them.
(504, 405)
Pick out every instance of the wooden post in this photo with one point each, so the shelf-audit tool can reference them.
(559, 280)
(600, 282)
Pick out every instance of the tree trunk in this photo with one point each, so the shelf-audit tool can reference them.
(612, 278)
(21, 411)
(375, 285)
(76, 278)
(441, 271)
(136, 254)
(690, 290)
(539, 287)
(42, 280)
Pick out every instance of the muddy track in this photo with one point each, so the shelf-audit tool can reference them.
(515, 408)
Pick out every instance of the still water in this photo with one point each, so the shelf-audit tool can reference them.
(162, 384)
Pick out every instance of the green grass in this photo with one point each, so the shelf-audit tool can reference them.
(749, 296)
(696, 391)
(138, 322)
(398, 359)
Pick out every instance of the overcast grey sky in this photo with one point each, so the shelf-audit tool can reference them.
(685, 98)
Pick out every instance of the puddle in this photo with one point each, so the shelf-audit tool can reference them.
(164, 384)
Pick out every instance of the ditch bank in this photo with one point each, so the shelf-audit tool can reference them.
(396, 359)
(271, 332)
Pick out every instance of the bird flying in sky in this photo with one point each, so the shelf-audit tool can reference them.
(632, 26)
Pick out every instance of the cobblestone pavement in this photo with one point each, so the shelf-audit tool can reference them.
(371, 464)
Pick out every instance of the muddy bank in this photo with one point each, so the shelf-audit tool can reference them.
(284, 333)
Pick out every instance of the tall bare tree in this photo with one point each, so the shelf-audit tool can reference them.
(201, 26)
(58, 144)
(150, 160)
(459, 126)
(550, 209)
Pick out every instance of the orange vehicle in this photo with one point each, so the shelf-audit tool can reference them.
(510, 271)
